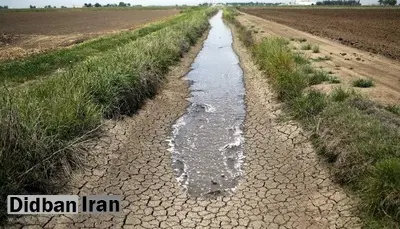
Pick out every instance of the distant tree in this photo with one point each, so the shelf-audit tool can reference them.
(122, 4)
(88, 4)
(391, 2)
(55, 7)
(32, 7)
(48, 7)
(63, 7)
(97, 5)
(128, 4)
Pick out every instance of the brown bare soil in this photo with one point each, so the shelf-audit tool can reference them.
(24, 33)
(373, 30)
(346, 63)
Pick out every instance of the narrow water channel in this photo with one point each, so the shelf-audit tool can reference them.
(207, 141)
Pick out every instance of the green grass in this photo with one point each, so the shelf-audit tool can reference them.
(395, 109)
(18, 71)
(40, 122)
(315, 48)
(333, 79)
(320, 59)
(300, 59)
(301, 40)
(359, 139)
(363, 83)
(319, 77)
(306, 47)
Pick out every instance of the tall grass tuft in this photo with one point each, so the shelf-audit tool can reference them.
(363, 83)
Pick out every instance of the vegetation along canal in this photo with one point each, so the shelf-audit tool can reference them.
(207, 141)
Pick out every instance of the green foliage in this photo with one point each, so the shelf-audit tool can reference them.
(309, 105)
(318, 77)
(340, 95)
(306, 47)
(388, 2)
(315, 48)
(324, 58)
(364, 83)
(395, 109)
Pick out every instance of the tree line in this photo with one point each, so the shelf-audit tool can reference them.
(339, 3)
(252, 4)
(3, 7)
(387, 2)
(121, 4)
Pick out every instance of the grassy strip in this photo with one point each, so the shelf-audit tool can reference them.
(41, 122)
(19, 71)
(359, 138)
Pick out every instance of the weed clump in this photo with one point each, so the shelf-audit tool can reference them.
(319, 77)
(324, 58)
(306, 47)
(363, 83)
(315, 49)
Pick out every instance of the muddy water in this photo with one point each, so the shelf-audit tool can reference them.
(207, 142)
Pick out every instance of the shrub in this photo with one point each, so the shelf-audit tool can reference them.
(300, 59)
(364, 83)
(306, 47)
(318, 77)
(333, 79)
(309, 105)
(315, 49)
(395, 109)
(340, 95)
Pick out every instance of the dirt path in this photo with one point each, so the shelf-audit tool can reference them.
(284, 185)
(347, 63)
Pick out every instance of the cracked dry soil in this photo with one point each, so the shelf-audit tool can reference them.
(284, 185)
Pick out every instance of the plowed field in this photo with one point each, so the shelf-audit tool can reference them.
(23, 33)
(373, 30)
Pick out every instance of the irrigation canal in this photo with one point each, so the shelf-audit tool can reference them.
(207, 141)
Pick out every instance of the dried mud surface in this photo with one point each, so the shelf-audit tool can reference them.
(26, 33)
(284, 186)
(373, 30)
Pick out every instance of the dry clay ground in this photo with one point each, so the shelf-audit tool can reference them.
(347, 63)
(25, 33)
(284, 186)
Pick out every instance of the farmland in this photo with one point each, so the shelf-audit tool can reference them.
(374, 30)
(26, 32)
(202, 119)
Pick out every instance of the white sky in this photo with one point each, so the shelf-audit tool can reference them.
(78, 3)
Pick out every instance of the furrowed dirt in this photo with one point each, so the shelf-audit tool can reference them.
(346, 63)
(373, 30)
(24, 33)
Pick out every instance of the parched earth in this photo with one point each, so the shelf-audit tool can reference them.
(284, 186)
